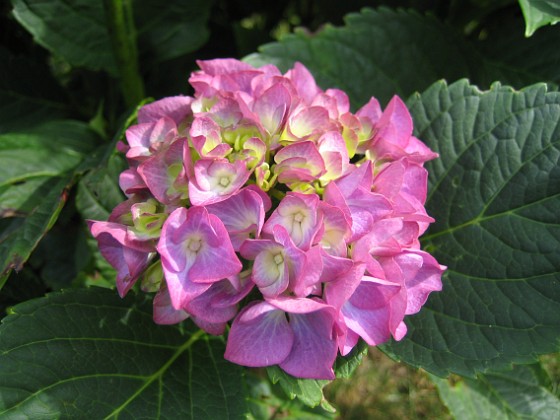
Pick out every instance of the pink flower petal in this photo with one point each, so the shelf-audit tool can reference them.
(178, 108)
(260, 336)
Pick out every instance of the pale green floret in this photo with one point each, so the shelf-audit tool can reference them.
(194, 244)
(278, 259)
(152, 277)
(147, 219)
(237, 137)
(224, 181)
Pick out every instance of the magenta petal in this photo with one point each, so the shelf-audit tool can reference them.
(260, 336)
(314, 349)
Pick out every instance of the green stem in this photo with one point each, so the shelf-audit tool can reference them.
(120, 22)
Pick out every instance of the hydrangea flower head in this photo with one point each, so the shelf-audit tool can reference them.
(264, 203)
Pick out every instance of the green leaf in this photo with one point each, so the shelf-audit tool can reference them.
(86, 353)
(539, 13)
(28, 95)
(20, 233)
(495, 195)
(310, 391)
(344, 367)
(519, 393)
(99, 192)
(381, 53)
(171, 31)
(77, 30)
(51, 149)
(36, 173)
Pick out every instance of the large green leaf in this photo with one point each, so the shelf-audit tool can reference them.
(86, 353)
(539, 13)
(495, 195)
(381, 53)
(521, 393)
(36, 171)
(77, 29)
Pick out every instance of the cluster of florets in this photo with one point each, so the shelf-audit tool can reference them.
(264, 202)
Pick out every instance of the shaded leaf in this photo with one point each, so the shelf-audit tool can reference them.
(519, 393)
(526, 60)
(36, 173)
(20, 233)
(99, 192)
(77, 30)
(28, 95)
(494, 193)
(87, 353)
(539, 13)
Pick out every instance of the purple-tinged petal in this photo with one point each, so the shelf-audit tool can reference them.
(298, 214)
(375, 311)
(216, 180)
(190, 244)
(164, 174)
(336, 230)
(210, 307)
(131, 182)
(315, 342)
(223, 66)
(217, 247)
(299, 162)
(272, 108)
(145, 138)
(304, 82)
(421, 275)
(271, 272)
(308, 123)
(395, 125)
(129, 257)
(260, 336)
(164, 312)
(371, 111)
(332, 148)
(343, 285)
(242, 214)
(213, 328)
(178, 108)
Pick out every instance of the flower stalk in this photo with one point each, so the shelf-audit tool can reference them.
(120, 22)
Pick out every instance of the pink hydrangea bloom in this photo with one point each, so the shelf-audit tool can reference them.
(263, 202)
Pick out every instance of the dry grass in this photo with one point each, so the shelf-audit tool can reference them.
(383, 389)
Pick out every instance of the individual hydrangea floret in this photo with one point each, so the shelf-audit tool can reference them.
(262, 202)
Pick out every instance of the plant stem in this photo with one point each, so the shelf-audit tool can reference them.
(120, 21)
